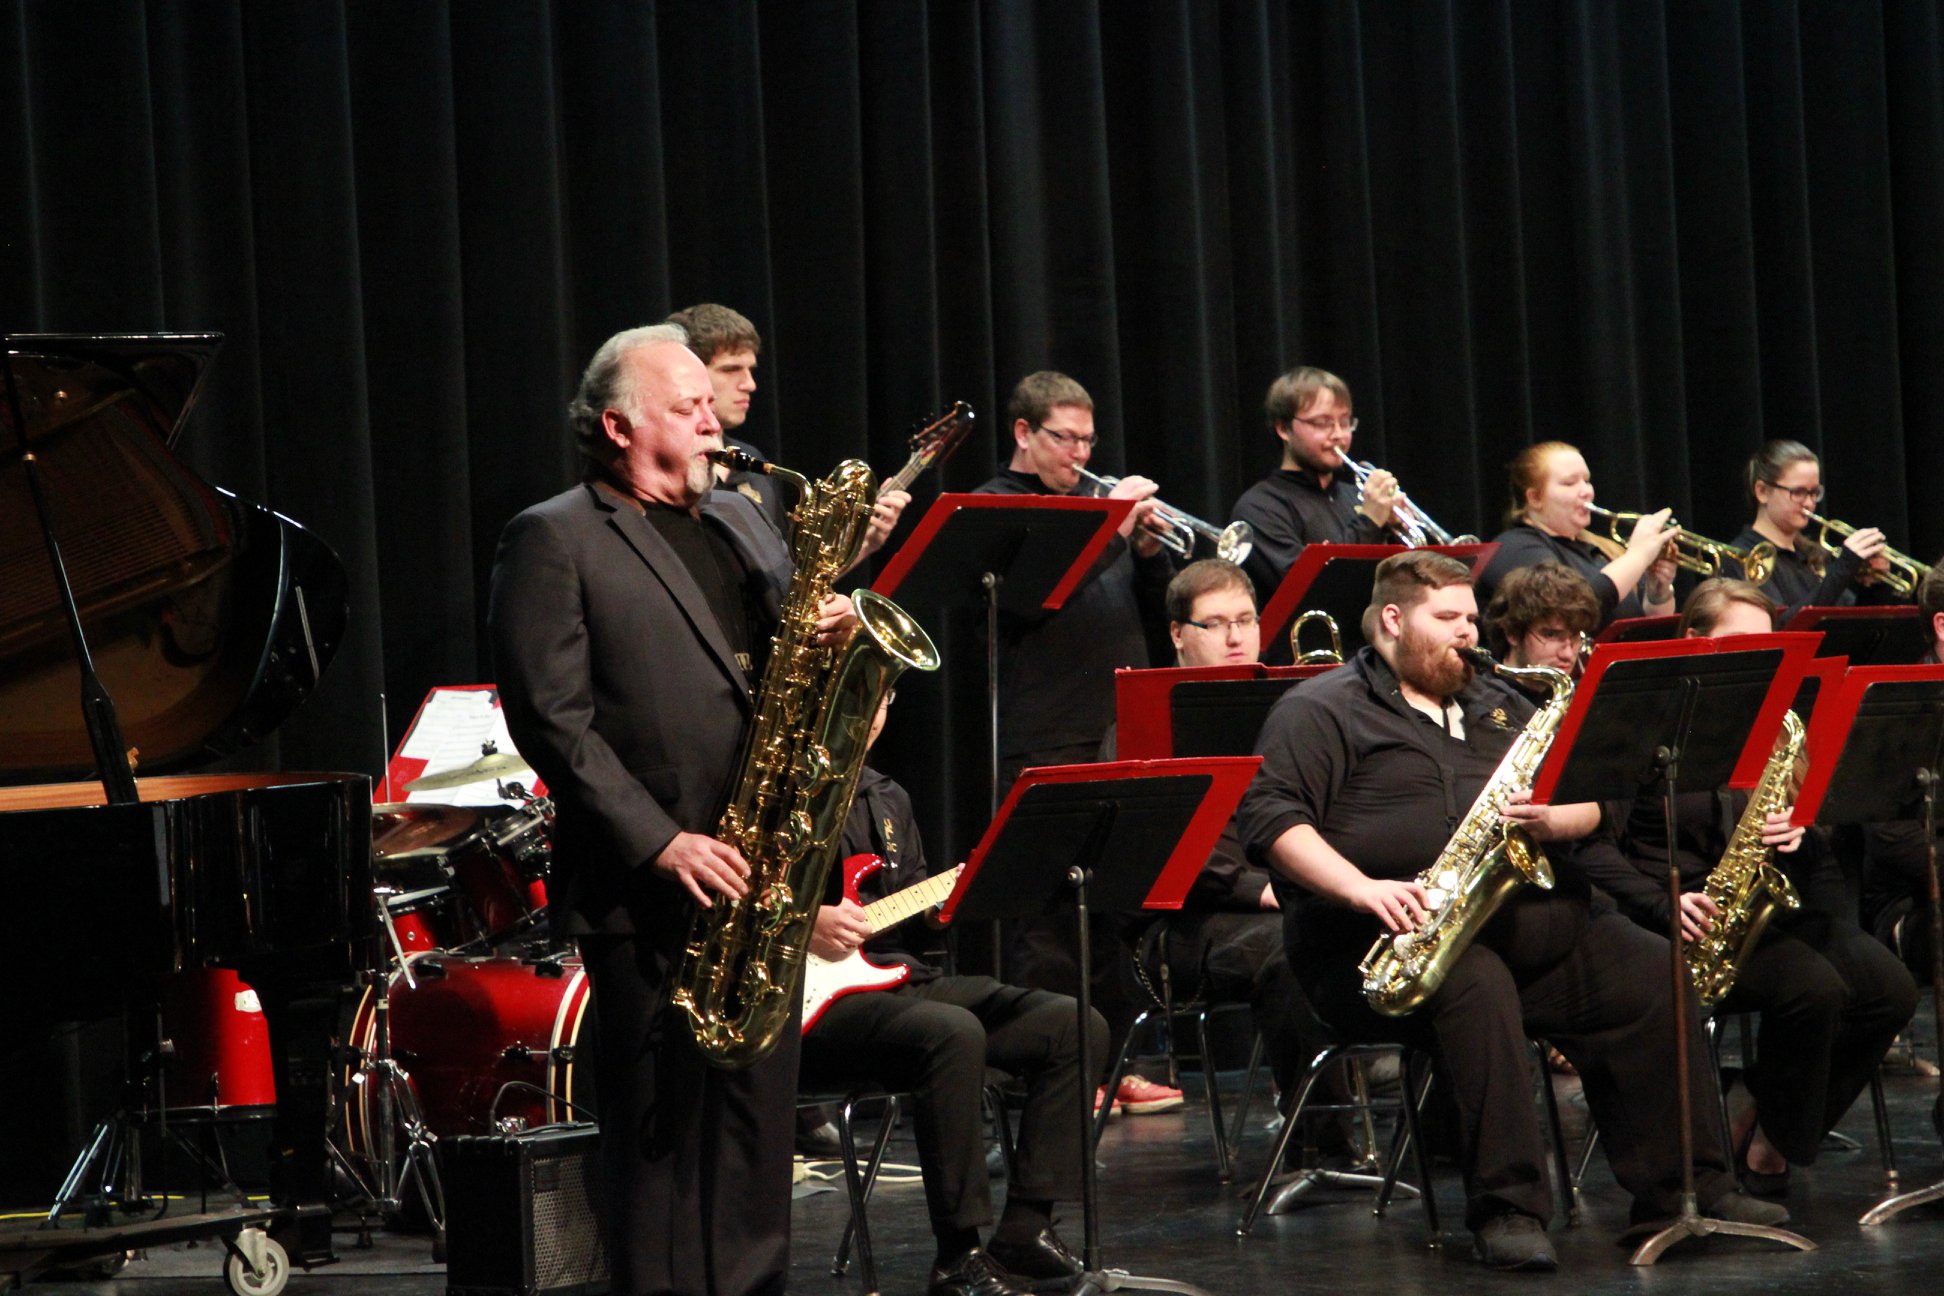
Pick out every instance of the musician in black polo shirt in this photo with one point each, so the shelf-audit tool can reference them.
(1311, 497)
(1367, 771)
(1784, 480)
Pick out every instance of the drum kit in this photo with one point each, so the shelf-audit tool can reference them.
(464, 1024)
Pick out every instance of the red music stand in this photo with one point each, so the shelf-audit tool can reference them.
(1687, 712)
(1638, 629)
(1876, 752)
(1118, 838)
(1336, 578)
(1197, 710)
(1892, 635)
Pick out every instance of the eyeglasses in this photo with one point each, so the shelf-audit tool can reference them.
(1554, 635)
(1068, 439)
(1347, 423)
(1800, 494)
(1222, 625)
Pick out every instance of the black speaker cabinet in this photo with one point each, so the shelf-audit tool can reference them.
(523, 1213)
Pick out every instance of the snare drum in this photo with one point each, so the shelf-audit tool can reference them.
(472, 1026)
(411, 871)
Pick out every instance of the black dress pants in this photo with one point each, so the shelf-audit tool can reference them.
(935, 1040)
(1595, 985)
(1832, 999)
(695, 1159)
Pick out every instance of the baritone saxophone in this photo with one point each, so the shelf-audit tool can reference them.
(1746, 886)
(743, 963)
(1485, 861)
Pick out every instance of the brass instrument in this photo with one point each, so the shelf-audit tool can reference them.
(1331, 656)
(1745, 885)
(741, 968)
(1690, 552)
(1232, 542)
(1415, 527)
(1485, 861)
(1905, 573)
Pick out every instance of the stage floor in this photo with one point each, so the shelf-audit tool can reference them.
(1163, 1214)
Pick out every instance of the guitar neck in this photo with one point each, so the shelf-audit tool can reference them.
(902, 479)
(900, 905)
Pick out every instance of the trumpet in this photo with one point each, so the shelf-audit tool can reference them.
(1690, 552)
(1414, 525)
(1905, 573)
(1232, 542)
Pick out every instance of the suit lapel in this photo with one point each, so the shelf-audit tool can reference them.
(667, 566)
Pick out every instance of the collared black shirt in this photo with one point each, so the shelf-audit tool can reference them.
(1056, 669)
(1382, 782)
(1796, 584)
(1290, 509)
(1525, 545)
(881, 823)
(712, 561)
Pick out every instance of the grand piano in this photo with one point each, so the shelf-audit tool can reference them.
(208, 620)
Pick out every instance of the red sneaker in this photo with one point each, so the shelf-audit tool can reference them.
(1100, 1096)
(1139, 1096)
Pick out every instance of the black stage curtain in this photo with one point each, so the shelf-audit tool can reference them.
(1663, 231)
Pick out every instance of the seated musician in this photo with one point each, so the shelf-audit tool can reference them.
(1896, 886)
(1311, 496)
(1831, 999)
(1540, 616)
(1367, 772)
(1784, 481)
(934, 1035)
(1551, 489)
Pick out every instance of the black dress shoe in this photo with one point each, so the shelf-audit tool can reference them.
(974, 1274)
(1043, 1258)
(1515, 1243)
(1740, 1208)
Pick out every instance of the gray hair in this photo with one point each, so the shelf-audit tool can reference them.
(602, 386)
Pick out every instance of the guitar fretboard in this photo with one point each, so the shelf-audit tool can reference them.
(900, 905)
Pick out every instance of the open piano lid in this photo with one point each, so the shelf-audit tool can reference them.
(210, 618)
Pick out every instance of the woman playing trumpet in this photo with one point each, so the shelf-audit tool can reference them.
(1785, 482)
(1552, 494)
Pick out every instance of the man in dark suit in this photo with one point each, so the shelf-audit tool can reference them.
(629, 616)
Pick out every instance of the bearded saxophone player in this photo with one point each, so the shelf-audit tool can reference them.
(1831, 999)
(1367, 773)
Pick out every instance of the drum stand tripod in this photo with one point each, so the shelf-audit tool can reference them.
(398, 1112)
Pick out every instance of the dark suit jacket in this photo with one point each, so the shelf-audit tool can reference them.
(621, 690)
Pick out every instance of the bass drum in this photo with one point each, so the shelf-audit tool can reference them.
(490, 1045)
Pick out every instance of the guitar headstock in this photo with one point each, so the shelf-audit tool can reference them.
(940, 436)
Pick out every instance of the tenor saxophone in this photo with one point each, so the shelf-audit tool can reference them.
(743, 962)
(1745, 885)
(1485, 861)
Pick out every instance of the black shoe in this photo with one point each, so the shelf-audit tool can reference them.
(1042, 1258)
(973, 1274)
(1740, 1208)
(821, 1143)
(1515, 1242)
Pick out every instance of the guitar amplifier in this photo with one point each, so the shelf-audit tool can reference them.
(523, 1213)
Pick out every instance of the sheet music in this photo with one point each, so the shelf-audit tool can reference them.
(451, 730)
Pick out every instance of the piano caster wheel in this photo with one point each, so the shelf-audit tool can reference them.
(269, 1272)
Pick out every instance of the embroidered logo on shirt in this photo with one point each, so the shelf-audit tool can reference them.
(890, 838)
(754, 495)
(743, 660)
(1498, 719)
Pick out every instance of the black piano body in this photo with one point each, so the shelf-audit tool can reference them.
(209, 619)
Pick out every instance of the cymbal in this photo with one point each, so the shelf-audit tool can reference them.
(400, 829)
(493, 765)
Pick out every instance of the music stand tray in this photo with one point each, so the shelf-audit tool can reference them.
(1868, 636)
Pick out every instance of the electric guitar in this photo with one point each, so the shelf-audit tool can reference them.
(826, 982)
(932, 443)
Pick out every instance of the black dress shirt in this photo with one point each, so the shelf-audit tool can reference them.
(1526, 545)
(1290, 509)
(1796, 584)
(881, 823)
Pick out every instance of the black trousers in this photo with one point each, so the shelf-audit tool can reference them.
(1832, 999)
(935, 1040)
(1598, 988)
(1239, 957)
(696, 1160)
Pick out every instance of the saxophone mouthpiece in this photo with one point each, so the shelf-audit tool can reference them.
(1478, 657)
(736, 460)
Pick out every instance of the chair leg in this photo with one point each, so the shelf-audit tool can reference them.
(1412, 1110)
(1568, 1188)
(1002, 1120)
(1120, 1069)
(1292, 1110)
(1240, 1124)
(858, 1183)
(1881, 1111)
(1216, 1127)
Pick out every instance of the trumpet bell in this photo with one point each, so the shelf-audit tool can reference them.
(1236, 543)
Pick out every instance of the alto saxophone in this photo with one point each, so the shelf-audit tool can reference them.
(1485, 861)
(741, 968)
(1745, 885)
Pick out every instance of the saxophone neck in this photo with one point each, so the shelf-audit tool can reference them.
(1558, 681)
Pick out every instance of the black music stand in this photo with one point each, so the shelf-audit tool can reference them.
(1869, 636)
(1660, 716)
(1336, 579)
(1168, 711)
(1876, 753)
(1117, 837)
